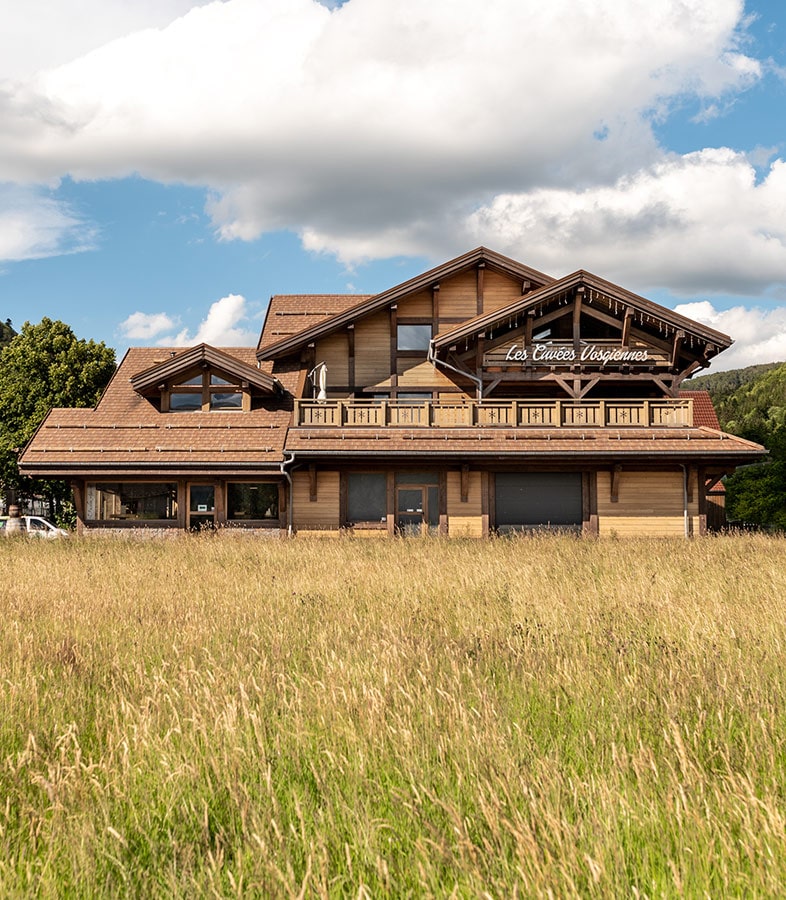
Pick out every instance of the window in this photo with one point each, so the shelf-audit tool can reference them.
(252, 501)
(413, 337)
(531, 500)
(182, 401)
(367, 497)
(206, 391)
(119, 501)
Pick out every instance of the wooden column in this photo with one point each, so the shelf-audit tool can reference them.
(481, 287)
(351, 358)
(577, 320)
(393, 349)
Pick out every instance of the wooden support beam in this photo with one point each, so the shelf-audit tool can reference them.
(312, 483)
(435, 308)
(577, 303)
(351, 358)
(529, 327)
(481, 284)
(679, 337)
(615, 483)
(465, 484)
(626, 323)
(393, 348)
(588, 387)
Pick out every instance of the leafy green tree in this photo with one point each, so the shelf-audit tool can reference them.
(44, 366)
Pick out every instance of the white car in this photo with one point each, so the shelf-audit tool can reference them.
(35, 526)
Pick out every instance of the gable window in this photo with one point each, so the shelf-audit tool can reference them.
(413, 337)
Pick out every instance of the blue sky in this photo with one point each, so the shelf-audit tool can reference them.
(167, 165)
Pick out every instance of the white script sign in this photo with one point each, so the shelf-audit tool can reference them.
(564, 353)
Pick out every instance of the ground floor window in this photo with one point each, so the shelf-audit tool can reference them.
(116, 501)
(367, 497)
(530, 500)
(252, 501)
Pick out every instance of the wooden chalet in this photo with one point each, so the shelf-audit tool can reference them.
(479, 397)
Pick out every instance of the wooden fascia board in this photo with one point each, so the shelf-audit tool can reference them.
(394, 294)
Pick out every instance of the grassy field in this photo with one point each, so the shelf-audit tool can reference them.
(534, 717)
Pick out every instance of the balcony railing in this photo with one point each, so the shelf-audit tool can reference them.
(659, 413)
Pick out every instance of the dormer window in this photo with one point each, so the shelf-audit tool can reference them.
(205, 392)
(204, 379)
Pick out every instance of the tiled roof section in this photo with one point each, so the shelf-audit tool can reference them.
(289, 314)
(536, 443)
(703, 411)
(127, 432)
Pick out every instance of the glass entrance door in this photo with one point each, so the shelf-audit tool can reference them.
(417, 509)
(201, 507)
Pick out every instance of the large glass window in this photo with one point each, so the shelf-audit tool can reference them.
(118, 501)
(367, 497)
(252, 501)
(413, 337)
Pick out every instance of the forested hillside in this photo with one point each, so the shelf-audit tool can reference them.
(751, 402)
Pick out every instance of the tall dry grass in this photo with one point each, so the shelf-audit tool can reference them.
(535, 717)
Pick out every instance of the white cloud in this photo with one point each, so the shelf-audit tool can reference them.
(33, 225)
(386, 127)
(221, 327)
(760, 334)
(698, 222)
(144, 326)
(39, 34)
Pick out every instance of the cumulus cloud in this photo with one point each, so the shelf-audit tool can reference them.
(760, 334)
(371, 126)
(701, 218)
(144, 326)
(221, 327)
(40, 34)
(33, 224)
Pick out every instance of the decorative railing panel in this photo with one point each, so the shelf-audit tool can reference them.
(661, 413)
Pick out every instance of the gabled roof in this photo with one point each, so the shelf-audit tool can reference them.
(127, 433)
(387, 298)
(203, 355)
(550, 291)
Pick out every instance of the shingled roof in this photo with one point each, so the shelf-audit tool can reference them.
(125, 432)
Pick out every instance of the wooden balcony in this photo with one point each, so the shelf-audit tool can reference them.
(660, 413)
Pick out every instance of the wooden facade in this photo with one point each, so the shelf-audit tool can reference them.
(480, 397)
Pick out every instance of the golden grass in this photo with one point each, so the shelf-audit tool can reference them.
(545, 716)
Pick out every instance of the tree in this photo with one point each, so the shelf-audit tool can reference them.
(757, 411)
(6, 332)
(44, 366)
